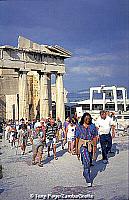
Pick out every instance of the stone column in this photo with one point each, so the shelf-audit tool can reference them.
(60, 107)
(23, 95)
(115, 98)
(124, 98)
(104, 100)
(91, 98)
(44, 95)
(49, 94)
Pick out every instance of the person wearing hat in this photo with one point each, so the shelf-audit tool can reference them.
(37, 139)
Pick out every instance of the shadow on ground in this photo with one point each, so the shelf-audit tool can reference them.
(73, 190)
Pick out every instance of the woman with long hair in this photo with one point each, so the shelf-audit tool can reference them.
(85, 134)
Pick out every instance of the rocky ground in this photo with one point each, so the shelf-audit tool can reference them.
(22, 181)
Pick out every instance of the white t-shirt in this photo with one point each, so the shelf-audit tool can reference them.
(71, 132)
(104, 125)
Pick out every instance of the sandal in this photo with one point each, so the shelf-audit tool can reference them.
(40, 165)
(33, 163)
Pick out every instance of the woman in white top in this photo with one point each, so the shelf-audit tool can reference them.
(71, 136)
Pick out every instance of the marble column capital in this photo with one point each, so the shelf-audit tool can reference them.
(23, 71)
(59, 74)
(43, 73)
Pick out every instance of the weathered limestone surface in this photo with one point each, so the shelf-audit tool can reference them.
(23, 96)
(60, 109)
(43, 59)
(44, 96)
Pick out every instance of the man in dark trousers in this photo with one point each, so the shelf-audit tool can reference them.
(105, 126)
(51, 131)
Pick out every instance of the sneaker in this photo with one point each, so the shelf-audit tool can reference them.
(105, 161)
(89, 184)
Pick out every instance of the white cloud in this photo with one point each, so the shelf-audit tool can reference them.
(85, 55)
(82, 51)
(103, 57)
(92, 71)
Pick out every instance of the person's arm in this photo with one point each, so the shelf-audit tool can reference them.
(77, 150)
(31, 137)
(112, 124)
(97, 130)
(76, 145)
(113, 131)
(43, 138)
(95, 140)
(65, 132)
(40, 135)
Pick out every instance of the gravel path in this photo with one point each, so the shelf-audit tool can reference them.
(21, 180)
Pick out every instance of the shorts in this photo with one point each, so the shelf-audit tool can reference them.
(37, 149)
(50, 142)
(70, 139)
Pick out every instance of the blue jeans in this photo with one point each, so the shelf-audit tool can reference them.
(106, 144)
(85, 158)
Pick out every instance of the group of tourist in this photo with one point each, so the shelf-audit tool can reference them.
(81, 135)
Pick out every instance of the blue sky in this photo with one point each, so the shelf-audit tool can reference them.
(95, 31)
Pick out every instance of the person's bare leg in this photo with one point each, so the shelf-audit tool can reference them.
(69, 148)
(54, 151)
(33, 161)
(72, 146)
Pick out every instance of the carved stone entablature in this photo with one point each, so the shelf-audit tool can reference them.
(22, 62)
(34, 55)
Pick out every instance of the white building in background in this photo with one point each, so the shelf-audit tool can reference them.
(110, 95)
(110, 98)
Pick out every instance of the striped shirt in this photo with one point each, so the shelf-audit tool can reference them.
(51, 131)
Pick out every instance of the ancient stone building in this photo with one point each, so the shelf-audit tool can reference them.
(25, 80)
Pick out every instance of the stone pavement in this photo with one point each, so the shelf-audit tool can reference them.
(22, 181)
